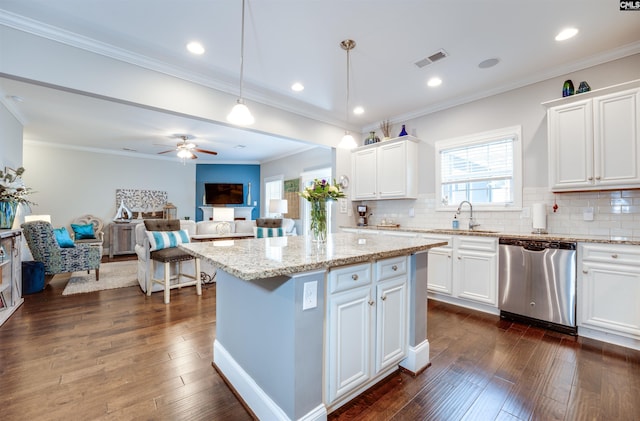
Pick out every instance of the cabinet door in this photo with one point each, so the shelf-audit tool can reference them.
(391, 322)
(609, 297)
(570, 134)
(439, 270)
(392, 173)
(475, 276)
(364, 176)
(617, 139)
(349, 347)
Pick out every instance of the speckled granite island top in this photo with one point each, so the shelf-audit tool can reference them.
(261, 258)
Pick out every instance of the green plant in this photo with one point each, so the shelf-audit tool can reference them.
(12, 188)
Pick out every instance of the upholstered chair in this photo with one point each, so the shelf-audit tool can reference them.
(45, 248)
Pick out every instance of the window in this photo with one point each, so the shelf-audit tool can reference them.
(273, 189)
(484, 168)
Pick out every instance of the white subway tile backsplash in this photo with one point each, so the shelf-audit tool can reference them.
(616, 213)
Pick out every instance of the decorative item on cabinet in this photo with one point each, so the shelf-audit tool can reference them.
(249, 194)
(403, 132)
(123, 213)
(372, 138)
(169, 211)
(583, 87)
(385, 128)
(567, 88)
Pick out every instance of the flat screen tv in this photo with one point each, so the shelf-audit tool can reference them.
(224, 193)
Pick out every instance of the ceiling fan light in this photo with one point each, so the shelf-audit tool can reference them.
(240, 115)
(184, 154)
(347, 142)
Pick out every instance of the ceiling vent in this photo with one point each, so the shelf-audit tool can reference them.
(437, 56)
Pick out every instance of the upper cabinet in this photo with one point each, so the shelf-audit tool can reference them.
(387, 170)
(594, 141)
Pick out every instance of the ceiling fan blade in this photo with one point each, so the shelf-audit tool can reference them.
(206, 151)
(170, 150)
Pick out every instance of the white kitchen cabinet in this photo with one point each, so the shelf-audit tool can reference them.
(368, 323)
(475, 274)
(387, 170)
(609, 292)
(439, 267)
(594, 142)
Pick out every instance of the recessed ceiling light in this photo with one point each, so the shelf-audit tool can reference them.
(358, 110)
(239, 146)
(490, 62)
(434, 81)
(15, 98)
(567, 33)
(297, 87)
(195, 48)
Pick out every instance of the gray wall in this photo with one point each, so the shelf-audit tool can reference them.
(10, 139)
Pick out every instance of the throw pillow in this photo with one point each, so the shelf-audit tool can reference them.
(63, 238)
(83, 232)
(262, 232)
(159, 240)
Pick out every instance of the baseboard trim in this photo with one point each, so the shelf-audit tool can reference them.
(417, 358)
(251, 394)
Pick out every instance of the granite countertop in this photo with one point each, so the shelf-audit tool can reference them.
(259, 258)
(529, 236)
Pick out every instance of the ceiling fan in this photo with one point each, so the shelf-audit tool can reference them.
(186, 149)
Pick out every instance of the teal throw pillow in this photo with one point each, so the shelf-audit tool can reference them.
(63, 238)
(159, 240)
(262, 232)
(83, 232)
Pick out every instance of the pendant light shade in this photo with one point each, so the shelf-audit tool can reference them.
(240, 114)
(347, 142)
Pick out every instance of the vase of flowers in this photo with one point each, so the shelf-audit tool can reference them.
(319, 193)
(12, 193)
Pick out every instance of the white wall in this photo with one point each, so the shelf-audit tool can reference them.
(10, 139)
(70, 183)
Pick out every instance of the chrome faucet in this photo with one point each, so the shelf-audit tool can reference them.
(472, 223)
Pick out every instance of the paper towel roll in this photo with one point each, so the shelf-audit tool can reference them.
(539, 216)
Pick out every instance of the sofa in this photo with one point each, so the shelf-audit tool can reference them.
(198, 231)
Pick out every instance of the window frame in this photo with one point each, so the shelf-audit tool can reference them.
(273, 179)
(476, 139)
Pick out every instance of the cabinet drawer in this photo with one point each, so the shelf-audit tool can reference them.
(348, 277)
(390, 268)
(467, 242)
(617, 254)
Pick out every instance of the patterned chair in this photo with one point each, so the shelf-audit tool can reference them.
(44, 248)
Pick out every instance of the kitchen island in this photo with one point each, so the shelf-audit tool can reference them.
(301, 329)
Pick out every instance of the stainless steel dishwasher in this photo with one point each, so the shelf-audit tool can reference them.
(537, 282)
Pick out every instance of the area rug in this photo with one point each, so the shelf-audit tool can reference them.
(112, 275)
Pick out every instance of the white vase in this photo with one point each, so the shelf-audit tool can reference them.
(249, 195)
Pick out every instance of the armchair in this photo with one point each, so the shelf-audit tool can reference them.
(44, 248)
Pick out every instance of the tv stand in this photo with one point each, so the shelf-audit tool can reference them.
(239, 212)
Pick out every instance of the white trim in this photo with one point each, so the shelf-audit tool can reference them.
(611, 338)
(417, 357)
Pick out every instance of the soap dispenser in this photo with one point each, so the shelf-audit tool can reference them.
(455, 223)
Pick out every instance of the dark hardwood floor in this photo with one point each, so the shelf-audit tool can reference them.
(119, 355)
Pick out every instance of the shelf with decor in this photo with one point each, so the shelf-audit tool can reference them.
(10, 273)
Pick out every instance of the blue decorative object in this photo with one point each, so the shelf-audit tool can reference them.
(567, 88)
(372, 138)
(83, 232)
(403, 132)
(7, 214)
(584, 87)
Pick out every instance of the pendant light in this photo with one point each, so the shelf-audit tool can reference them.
(240, 114)
(347, 142)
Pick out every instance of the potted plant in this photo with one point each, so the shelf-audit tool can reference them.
(12, 193)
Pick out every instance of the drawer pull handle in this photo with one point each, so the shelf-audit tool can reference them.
(614, 256)
(585, 271)
(384, 297)
(394, 267)
(371, 303)
(354, 276)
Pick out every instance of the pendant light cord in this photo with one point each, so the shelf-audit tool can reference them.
(242, 52)
(346, 109)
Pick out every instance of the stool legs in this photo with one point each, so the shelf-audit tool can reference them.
(198, 278)
(167, 281)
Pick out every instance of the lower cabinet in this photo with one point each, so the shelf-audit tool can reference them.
(609, 290)
(367, 328)
(465, 272)
(122, 239)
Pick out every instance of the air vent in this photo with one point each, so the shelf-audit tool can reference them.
(437, 56)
